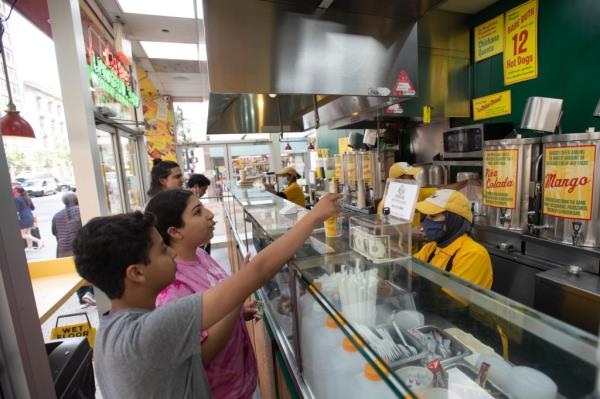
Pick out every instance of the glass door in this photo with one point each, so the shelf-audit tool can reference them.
(209, 160)
(110, 171)
(132, 175)
(253, 160)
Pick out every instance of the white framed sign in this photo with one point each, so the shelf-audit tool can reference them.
(401, 197)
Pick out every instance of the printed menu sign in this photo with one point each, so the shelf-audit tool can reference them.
(351, 165)
(401, 198)
(367, 174)
(489, 38)
(500, 178)
(491, 106)
(338, 167)
(569, 181)
(520, 43)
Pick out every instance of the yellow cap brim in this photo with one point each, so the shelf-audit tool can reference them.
(427, 208)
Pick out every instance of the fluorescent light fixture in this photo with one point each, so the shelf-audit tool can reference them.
(175, 51)
(172, 8)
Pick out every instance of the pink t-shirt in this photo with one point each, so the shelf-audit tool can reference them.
(232, 374)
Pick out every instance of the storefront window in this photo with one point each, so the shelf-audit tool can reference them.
(108, 166)
(133, 181)
(255, 160)
(210, 161)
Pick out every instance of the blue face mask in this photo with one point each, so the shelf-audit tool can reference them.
(284, 181)
(434, 230)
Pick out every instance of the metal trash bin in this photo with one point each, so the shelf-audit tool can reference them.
(71, 366)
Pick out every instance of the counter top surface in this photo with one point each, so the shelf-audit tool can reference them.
(583, 281)
(362, 295)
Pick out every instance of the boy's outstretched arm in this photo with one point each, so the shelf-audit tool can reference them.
(224, 297)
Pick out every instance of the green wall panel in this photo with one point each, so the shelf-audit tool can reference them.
(568, 62)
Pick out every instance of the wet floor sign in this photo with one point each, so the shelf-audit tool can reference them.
(74, 330)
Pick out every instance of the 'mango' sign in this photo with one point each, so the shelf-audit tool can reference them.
(569, 181)
(500, 178)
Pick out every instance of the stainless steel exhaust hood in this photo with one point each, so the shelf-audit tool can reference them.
(256, 113)
(294, 47)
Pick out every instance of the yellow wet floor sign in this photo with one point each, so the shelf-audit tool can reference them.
(74, 330)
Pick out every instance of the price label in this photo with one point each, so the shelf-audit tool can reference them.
(520, 43)
(500, 178)
(569, 181)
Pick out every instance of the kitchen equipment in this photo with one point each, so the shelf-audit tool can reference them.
(439, 344)
(355, 140)
(415, 377)
(570, 198)
(509, 168)
(464, 176)
(542, 114)
(436, 176)
(500, 370)
(467, 141)
(462, 380)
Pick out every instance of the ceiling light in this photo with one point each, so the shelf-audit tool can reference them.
(272, 95)
(287, 147)
(311, 146)
(175, 51)
(175, 8)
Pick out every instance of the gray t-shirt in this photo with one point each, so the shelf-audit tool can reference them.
(152, 354)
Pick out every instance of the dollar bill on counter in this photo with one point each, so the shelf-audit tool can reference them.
(370, 246)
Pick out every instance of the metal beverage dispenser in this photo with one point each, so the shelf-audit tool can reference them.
(570, 194)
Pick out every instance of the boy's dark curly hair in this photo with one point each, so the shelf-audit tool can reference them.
(167, 207)
(199, 180)
(106, 246)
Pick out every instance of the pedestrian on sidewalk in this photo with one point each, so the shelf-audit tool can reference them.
(65, 225)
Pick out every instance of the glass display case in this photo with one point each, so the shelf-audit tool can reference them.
(354, 326)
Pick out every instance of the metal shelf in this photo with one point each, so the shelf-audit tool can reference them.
(460, 162)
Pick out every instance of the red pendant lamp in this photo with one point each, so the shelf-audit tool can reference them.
(12, 124)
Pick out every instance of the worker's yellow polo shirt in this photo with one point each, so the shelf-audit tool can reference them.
(472, 261)
(294, 193)
(424, 192)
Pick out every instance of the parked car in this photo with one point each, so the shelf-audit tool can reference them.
(40, 187)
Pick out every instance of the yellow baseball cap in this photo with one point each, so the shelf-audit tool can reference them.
(403, 168)
(288, 171)
(446, 200)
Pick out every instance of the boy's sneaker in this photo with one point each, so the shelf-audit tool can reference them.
(88, 298)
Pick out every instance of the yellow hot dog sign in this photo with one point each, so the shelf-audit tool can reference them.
(569, 181)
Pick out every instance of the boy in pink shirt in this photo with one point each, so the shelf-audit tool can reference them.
(227, 352)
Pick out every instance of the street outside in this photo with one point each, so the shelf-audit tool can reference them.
(45, 209)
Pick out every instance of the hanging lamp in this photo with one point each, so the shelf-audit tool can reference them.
(11, 124)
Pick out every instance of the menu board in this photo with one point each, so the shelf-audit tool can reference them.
(489, 38)
(351, 165)
(338, 167)
(569, 181)
(367, 174)
(520, 43)
(500, 178)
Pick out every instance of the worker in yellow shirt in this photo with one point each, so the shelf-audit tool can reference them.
(293, 192)
(447, 225)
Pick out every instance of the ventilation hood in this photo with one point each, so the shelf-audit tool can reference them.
(352, 47)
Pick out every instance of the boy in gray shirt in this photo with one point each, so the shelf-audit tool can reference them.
(143, 352)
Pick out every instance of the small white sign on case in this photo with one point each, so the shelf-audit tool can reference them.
(401, 198)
